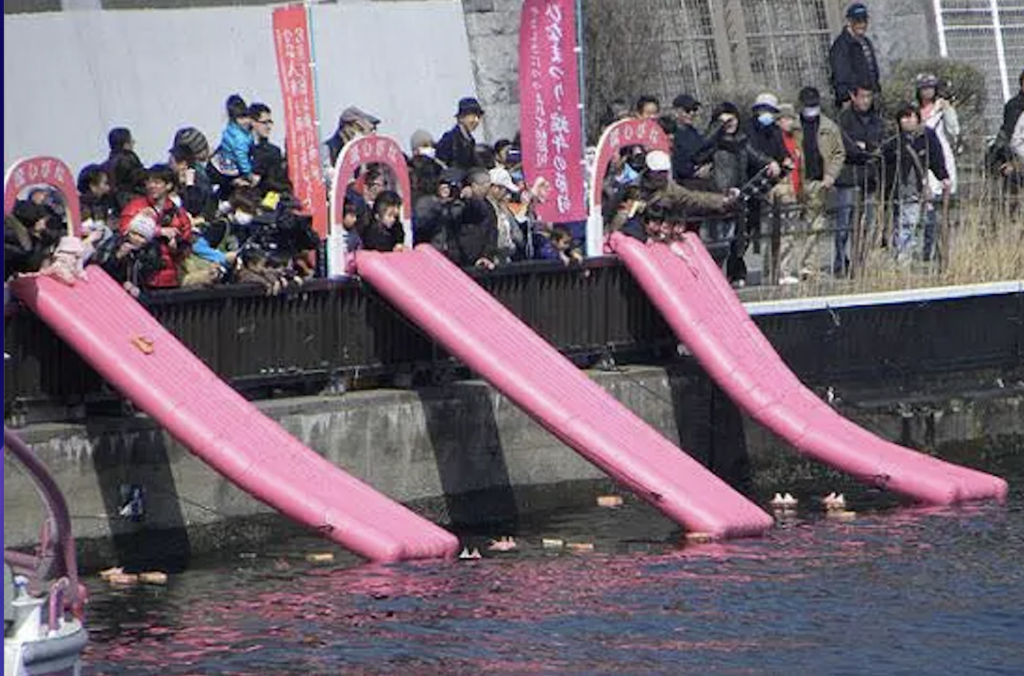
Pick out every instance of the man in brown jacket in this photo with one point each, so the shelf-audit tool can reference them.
(657, 185)
(823, 154)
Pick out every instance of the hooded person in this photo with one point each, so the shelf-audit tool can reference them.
(457, 148)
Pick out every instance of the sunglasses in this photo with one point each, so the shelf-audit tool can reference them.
(265, 121)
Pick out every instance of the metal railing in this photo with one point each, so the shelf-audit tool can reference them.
(330, 335)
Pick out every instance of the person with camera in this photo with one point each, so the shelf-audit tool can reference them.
(437, 215)
(173, 226)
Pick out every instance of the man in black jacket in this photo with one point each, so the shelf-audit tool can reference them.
(1012, 111)
(691, 150)
(863, 133)
(267, 159)
(476, 232)
(457, 148)
(852, 57)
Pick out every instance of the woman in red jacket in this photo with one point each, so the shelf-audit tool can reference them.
(173, 225)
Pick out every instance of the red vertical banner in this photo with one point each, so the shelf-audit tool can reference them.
(294, 70)
(549, 114)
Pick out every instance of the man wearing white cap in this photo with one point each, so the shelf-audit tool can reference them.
(657, 185)
(511, 239)
(767, 154)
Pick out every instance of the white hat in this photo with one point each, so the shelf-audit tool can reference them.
(658, 160)
(144, 224)
(501, 177)
(767, 100)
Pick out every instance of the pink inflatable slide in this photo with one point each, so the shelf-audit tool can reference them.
(132, 351)
(496, 344)
(688, 288)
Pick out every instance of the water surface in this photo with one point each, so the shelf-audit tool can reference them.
(895, 591)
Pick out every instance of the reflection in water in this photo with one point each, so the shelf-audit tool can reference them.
(912, 589)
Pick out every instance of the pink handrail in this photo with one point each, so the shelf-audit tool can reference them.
(56, 557)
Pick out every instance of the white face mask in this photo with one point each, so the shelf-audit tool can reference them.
(427, 151)
(811, 113)
(243, 218)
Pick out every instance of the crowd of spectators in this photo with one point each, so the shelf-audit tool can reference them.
(827, 175)
(214, 214)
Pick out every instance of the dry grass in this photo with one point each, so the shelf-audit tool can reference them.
(986, 244)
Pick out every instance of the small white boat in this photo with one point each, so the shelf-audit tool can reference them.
(43, 600)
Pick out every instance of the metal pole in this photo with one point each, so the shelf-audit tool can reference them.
(940, 27)
(314, 71)
(997, 25)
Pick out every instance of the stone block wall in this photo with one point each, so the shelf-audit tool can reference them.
(901, 30)
(493, 30)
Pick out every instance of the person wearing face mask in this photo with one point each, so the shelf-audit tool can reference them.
(424, 170)
(768, 156)
(823, 157)
(457, 148)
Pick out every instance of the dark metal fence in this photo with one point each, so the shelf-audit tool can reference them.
(307, 340)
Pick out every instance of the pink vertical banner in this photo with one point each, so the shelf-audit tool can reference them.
(291, 43)
(549, 109)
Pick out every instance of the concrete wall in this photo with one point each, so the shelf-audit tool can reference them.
(71, 76)
(463, 453)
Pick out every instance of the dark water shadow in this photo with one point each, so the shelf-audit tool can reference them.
(471, 462)
(710, 426)
(153, 536)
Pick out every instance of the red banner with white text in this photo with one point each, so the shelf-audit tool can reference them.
(549, 114)
(294, 70)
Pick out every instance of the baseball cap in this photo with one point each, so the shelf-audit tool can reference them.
(767, 100)
(685, 102)
(501, 177)
(658, 160)
(858, 11)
